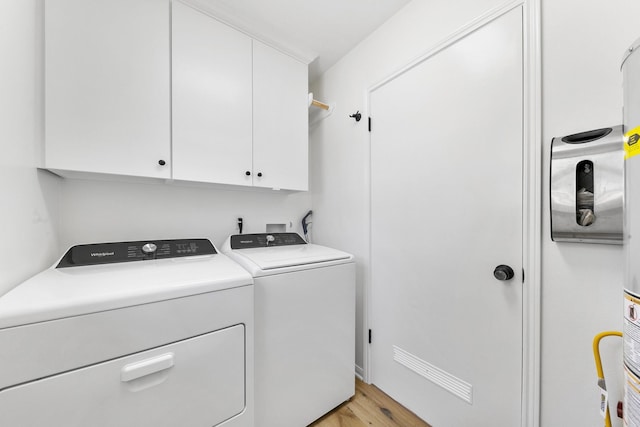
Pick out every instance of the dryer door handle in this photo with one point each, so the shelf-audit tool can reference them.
(146, 367)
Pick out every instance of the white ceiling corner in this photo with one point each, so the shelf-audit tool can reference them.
(316, 32)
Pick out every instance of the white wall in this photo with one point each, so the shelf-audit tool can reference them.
(583, 44)
(581, 290)
(101, 211)
(29, 197)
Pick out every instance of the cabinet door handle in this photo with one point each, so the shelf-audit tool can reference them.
(259, 174)
(146, 367)
(162, 162)
(247, 173)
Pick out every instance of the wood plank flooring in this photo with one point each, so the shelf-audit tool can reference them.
(370, 407)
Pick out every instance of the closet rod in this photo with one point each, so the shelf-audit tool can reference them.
(318, 104)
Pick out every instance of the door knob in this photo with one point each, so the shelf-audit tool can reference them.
(503, 272)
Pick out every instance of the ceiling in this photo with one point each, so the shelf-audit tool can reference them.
(319, 32)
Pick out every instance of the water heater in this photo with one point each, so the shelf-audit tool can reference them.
(631, 234)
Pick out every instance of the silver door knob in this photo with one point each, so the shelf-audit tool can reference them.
(503, 272)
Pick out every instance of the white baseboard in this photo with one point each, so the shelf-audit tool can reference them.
(359, 373)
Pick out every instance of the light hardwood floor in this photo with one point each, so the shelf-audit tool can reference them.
(370, 407)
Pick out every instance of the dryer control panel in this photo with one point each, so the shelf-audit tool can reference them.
(108, 253)
(264, 240)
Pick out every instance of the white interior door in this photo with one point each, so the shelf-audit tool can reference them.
(446, 209)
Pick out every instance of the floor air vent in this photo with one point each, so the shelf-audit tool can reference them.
(454, 385)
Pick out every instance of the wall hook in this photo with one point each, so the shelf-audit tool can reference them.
(356, 116)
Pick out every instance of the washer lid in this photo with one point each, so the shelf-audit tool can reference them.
(63, 292)
(278, 257)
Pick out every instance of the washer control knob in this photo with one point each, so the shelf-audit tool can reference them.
(503, 272)
(270, 239)
(149, 248)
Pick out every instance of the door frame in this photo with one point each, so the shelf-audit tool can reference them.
(531, 196)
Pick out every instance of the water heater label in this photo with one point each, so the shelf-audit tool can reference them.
(632, 143)
(631, 399)
(631, 334)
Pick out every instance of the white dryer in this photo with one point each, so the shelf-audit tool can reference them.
(305, 326)
(135, 334)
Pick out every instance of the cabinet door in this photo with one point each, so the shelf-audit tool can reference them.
(280, 120)
(107, 86)
(211, 99)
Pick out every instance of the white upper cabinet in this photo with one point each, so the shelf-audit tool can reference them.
(160, 89)
(108, 86)
(239, 107)
(280, 120)
(212, 99)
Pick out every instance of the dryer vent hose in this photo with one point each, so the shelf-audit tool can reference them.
(305, 225)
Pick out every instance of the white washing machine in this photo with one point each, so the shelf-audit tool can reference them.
(305, 326)
(135, 334)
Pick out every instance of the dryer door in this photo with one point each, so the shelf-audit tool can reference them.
(197, 382)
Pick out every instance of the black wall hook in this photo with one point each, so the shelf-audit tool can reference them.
(356, 116)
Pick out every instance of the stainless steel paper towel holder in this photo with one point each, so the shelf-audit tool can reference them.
(587, 186)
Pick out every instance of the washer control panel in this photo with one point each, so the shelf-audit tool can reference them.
(263, 240)
(108, 253)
